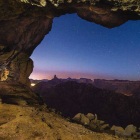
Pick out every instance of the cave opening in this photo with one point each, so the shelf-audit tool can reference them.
(76, 48)
(72, 48)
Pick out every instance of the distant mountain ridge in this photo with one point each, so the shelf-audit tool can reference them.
(81, 80)
(44, 85)
(121, 86)
(125, 87)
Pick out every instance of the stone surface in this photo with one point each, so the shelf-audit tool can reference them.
(19, 38)
(102, 122)
(93, 126)
(77, 118)
(36, 123)
(119, 131)
(84, 120)
(0, 101)
(130, 130)
(104, 127)
(90, 116)
(96, 117)
(18, 94)
(136, 135)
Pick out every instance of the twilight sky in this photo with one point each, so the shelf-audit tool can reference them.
(76, 48)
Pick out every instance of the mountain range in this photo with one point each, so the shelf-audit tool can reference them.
(71, 98)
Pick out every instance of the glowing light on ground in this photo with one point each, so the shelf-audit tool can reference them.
(33, 84)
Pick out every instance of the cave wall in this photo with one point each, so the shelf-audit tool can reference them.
(24, 23)
(18, 39)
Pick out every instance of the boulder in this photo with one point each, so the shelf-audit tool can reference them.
(0, 101)
(136, 135)
(101, 122)
(104, 127)
(95, 119)
(119, 131)
(77, 117)
(84, 120)
(93, 126)
(90, 116)
(130, 130)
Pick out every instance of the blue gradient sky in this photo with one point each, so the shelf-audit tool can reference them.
(77, 48)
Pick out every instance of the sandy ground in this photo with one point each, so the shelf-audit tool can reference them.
(30, 123)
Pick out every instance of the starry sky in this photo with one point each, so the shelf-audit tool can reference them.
(76, 48)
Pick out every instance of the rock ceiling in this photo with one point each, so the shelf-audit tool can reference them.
(24, 23)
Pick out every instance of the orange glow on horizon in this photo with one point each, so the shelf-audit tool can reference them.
(50, 74)
(47, 74)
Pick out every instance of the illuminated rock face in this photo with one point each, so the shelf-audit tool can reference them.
(19, 37)
(24, 23)
(4, 74)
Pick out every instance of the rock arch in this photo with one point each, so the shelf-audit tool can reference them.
(24, 23)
